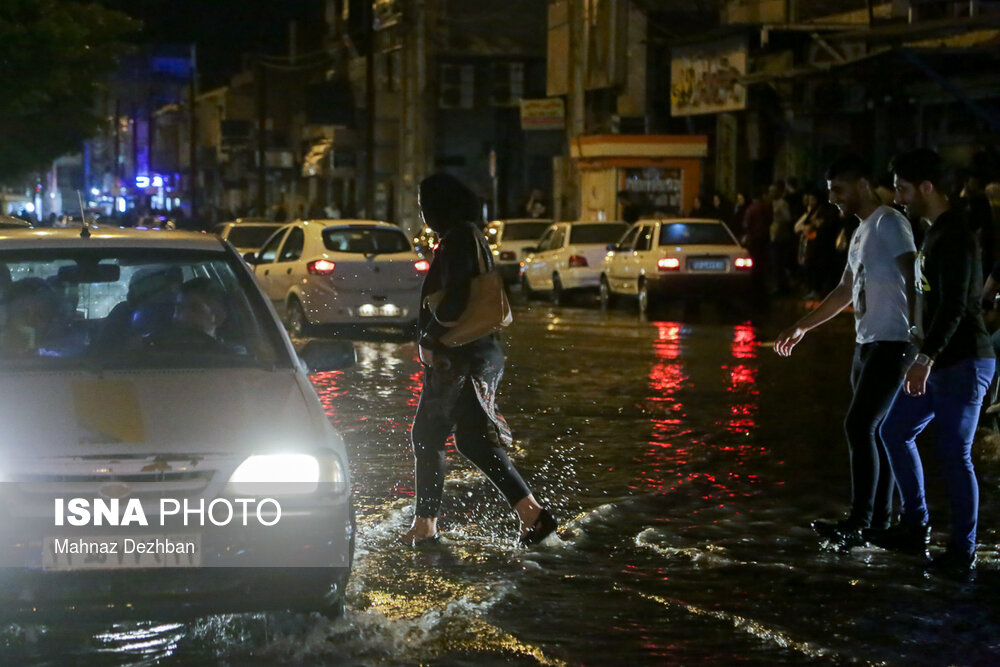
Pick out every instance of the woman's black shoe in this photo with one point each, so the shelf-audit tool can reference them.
(544, 526)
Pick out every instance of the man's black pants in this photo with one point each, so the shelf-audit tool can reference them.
(876, 376)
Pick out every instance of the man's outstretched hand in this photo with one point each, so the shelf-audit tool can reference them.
(788, 339)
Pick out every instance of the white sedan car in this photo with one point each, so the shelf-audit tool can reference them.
(681, 258)
(246, 236)
(568, 258)
(319, 272)
(163, 446)
(511, 241)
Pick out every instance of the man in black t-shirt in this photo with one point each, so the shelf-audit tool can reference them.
(949, 375)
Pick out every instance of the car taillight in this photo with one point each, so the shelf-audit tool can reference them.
(743, 263)
(577, 260)
(507, 255)
(320, 267)
(422, 266)
(668, 264)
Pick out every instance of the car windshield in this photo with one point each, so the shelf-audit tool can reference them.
(131, 309)
(365, 240)
(694, 233)
(250, 236)
(525, 231)
(602, 234)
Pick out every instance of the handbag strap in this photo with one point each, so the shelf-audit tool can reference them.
(482, 257)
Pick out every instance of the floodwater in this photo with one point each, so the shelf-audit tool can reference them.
(684, 461)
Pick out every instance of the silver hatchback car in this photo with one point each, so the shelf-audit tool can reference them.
(163, 445)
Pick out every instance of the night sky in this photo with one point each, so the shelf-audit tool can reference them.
(226, 29)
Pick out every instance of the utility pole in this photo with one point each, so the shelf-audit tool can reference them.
(116, 165)
(193, 122)
(370, 115)
(261, 85)
(576, 105)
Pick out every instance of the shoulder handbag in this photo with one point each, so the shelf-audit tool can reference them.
(487, 310)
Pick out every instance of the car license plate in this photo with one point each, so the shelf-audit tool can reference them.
(121, 553)
(707, 264)
(385, 310)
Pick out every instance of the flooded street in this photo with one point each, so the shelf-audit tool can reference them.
(684, 461)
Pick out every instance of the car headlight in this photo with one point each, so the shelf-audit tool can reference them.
(273, 474)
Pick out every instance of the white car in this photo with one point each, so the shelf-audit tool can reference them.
(163, 446)
(246, 236)
(677, 258)
(569, 257)
(10, 222)
(341, 272)
(511, 241)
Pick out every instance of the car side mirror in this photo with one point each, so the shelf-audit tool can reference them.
(612, 247)
(532, 250)
(250, 257)
(320, 356)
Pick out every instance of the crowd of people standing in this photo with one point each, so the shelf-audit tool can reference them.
(799, 241)
(922, 354)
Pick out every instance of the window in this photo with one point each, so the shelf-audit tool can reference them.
(686, 233)
(508, 84)
(389, 68)
(292, 249)
(558, 238)
(628, 239)
(456, 86)
(250, 236)
(270, 249)
(132, 309)
(599, 234)
(524, 231)
(546, 241)
(365, 240)
(645, 238)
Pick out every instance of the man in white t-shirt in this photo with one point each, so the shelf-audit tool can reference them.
(879, 281)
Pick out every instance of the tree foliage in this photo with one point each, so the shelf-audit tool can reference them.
(55, 56)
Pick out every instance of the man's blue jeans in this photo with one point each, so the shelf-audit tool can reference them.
(953, 399)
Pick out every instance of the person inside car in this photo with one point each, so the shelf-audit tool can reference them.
(199, 312)
(31, 309)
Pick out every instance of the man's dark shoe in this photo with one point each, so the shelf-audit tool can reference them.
(844, 534)
(906, 538)
(954, 563)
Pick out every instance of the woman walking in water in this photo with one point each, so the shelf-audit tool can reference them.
(460, 383)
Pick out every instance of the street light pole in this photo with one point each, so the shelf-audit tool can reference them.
(193, 121)
(493, 178)
(261, 137)
(369, 109)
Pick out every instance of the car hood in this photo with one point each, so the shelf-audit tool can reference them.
(220, 412)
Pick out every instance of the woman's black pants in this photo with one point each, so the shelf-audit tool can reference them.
(476, 438)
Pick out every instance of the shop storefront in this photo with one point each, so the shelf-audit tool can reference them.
(661, 173)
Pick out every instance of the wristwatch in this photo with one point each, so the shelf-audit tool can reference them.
(923, 360)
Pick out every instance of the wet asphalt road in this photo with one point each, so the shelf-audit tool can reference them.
(684, 461)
